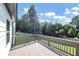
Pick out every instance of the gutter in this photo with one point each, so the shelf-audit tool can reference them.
(6, 5)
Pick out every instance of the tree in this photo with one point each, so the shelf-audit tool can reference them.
(34, 23)
(44, 28)
(25, 23)
(66, 28)
(17, 24)
(51, 29)
(56, 29)
(69, 31)
(75, 21)
(48, 28)
(78, 35)
(29, 21)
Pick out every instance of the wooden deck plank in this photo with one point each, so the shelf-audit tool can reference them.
(35, 49)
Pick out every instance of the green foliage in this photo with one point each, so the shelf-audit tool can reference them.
(56, 29)
(71, 32)
(78, 35)
(75, 21)
(29, 22)
(24, 24)
(17, 24)
(33, 20)
(44, 28)
(51, 29)
(61, 31)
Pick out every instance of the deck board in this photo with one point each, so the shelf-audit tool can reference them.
(35, 49)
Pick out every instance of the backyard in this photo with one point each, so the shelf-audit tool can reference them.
(59, 33)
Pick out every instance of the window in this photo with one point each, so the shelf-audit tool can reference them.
(8, 31)
(8, 25)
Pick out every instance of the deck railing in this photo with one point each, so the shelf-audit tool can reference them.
(61, 45)
(68, 46)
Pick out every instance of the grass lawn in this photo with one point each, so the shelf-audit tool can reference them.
(23, 39)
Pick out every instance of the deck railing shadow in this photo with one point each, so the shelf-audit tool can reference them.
(22, 45)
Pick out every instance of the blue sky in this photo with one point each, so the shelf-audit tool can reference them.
(51, 12)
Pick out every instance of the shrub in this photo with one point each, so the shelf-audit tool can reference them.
(78, 35)
(71, 32)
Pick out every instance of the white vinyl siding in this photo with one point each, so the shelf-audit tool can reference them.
(4, 15)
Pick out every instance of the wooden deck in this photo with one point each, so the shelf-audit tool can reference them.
(35, 49)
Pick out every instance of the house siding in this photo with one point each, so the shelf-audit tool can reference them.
(4, 15)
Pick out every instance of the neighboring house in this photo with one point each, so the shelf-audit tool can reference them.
(7, 27)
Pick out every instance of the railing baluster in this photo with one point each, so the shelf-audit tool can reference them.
(74, 51)
(77, 49)
(63, 47)
(60, 46)
(48, 42)
(66, 47)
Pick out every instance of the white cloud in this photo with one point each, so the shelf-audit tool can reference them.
(66, 18)
(58, 17)
(74, 11)
(62, 19)
(67, 11)
(50, 14)
(42, 20)
(41, 14)
(53, 16)
(25, 10)
(36, 8)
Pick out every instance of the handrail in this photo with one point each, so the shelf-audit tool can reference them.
(71, 45)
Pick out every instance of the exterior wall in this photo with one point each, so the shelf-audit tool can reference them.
(4, 15)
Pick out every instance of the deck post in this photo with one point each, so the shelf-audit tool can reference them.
(49, 42)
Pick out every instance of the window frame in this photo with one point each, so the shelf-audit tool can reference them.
(8, 31)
